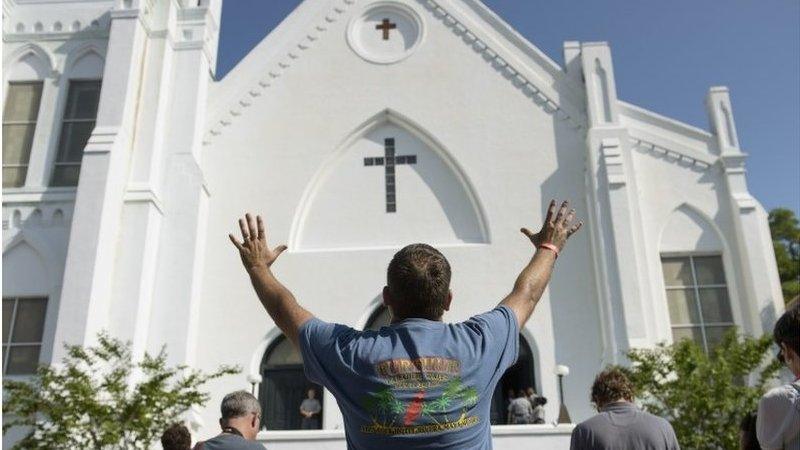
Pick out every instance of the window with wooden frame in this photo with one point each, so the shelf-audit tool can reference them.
(23, 328)
(19, 125)
(697, 297)
(77, 124)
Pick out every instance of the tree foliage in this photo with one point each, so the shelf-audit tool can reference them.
(99, 398)
(785, 229)
(704, 396)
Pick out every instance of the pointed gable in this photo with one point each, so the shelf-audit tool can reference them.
(518, 61)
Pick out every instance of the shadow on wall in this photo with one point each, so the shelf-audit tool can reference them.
(574, 300)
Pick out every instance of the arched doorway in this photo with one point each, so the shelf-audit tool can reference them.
(519, 376)
(283, 386)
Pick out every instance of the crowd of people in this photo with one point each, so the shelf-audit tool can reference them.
(421, 383)
(525, 407)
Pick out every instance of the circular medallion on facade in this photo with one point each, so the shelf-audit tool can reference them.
(385, 32)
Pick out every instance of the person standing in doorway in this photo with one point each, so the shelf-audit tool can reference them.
(519, 410)
(537, 405)
(310, 409)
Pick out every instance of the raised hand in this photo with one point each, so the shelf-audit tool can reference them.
(556, 230)
(254, 251)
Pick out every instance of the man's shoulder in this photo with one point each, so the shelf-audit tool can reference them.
(594, 422)
(781, 396)
(231, 442)
(652, 417)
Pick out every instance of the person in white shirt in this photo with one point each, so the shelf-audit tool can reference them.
(778, 422)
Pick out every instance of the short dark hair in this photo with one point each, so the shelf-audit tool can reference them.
(787, 329)
(176, 437)
(611, 385)
(419, 280)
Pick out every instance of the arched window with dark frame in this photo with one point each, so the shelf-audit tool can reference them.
(284, 386)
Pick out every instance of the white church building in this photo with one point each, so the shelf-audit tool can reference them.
(355, 127)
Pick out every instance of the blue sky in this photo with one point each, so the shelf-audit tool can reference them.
(666, 55)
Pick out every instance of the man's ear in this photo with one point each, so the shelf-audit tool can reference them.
(788, 353)
(387, 297)
(254, 421)
(448, 300)
(221, 423)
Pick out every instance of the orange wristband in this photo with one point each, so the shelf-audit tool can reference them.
(551, 247)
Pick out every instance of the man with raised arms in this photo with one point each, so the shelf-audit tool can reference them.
(419, 382)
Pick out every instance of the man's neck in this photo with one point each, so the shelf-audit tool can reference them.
(401, 319)
(621, 401)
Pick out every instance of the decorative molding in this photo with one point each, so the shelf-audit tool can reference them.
(678, 157)
(501, 65)
(59, 30)
(29, 196)
(143, 193)
(611, 152)
(283, 64)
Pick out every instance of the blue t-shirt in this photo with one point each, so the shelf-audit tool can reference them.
(414, 384)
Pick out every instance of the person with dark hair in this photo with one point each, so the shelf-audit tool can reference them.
(620, 424)
(176, 437)
(419, 382)
(241, 415)
(747, 433)
(778, 422)
(537, 405)
(519, 410)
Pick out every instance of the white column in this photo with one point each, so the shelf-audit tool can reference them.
(86, 294)
(754, 252)
(615, 223)
(175, 313)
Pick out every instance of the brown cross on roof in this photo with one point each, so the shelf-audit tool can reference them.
(385, 26)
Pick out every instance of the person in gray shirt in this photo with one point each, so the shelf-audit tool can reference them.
(310, 409)
(241, 415)
(620, 424)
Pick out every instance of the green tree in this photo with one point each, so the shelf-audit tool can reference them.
(704, 396)
(99, 398)
(785, 229)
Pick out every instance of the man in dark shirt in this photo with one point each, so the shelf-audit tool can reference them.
(620, 424)
(241, 415)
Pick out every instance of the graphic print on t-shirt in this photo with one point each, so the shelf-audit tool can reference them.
(422, 395)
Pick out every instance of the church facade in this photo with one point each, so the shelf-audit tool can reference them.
(355, 127)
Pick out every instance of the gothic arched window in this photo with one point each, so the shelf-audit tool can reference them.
(284, 386)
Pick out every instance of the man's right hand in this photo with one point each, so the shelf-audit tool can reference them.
(556, 230)
(254, 251)
(533, 279)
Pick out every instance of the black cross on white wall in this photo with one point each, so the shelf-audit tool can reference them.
(389, 160)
